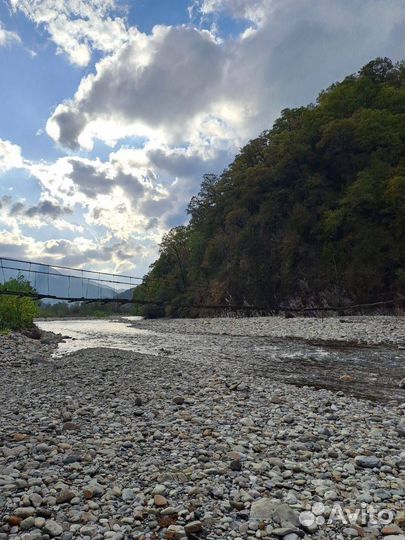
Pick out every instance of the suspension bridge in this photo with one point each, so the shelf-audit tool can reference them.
(54, 282)
(64, 283)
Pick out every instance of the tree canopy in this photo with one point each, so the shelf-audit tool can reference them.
(312, 208)
(17, 312)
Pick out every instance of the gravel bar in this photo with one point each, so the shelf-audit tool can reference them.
(112, 444)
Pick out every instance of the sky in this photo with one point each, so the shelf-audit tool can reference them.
(112, 110)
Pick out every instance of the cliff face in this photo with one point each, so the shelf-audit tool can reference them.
(314, 207)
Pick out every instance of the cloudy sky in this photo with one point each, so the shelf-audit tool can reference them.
(112, 110)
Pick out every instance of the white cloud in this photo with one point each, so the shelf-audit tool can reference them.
(77, 26)
(81, 252)
(10, 156)
(181, 86)
(17, 213)
(194, 98)
(111, 193)
(7, 37)
(152, 86)
(255, 11)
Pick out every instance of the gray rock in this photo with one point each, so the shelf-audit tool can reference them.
(27, 523)
(367, 462)
(193, 527)
(262, 509)
(285, 516)
(65, 496)
(52, 528)
(401, 427)
(25, 511)
(128, 494)
(176, 531)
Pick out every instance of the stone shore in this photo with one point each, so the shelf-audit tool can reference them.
(112, 444)
(373, 330)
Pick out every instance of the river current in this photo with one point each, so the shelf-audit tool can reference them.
(370, 372)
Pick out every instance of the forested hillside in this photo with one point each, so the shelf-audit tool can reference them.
(312, 210)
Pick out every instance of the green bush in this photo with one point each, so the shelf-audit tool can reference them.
(17, 312)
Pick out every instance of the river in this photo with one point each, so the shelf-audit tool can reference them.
(365, 371)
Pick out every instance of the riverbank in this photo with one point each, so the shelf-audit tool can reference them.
(359, 330)
(106, 443)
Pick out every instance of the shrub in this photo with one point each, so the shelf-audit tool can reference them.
(17, 312)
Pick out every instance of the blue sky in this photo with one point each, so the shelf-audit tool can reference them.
(111, 110)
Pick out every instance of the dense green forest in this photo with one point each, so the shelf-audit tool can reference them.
(313, 210)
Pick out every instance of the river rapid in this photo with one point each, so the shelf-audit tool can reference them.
(312, 355)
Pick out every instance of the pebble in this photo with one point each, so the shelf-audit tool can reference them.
(52, 528)
(159, 500)
(368, 462)
(193, 527)
(242, 461)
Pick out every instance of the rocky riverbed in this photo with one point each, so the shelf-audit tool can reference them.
(359, 330)
(107, 443)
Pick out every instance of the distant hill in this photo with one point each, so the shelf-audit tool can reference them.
(311, 211)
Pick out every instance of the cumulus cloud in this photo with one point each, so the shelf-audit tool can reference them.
(47, 209)
(81, 252)
(181, 85)
(191, 97)
(16, 213)
(255, 11)
(10, 156)
(7, 37)
(111, 193)
(150, 83)
(77, 26)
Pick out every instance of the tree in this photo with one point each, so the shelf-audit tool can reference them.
(17, 312)
(311, 209)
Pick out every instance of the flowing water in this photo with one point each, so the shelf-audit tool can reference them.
(370, 372)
